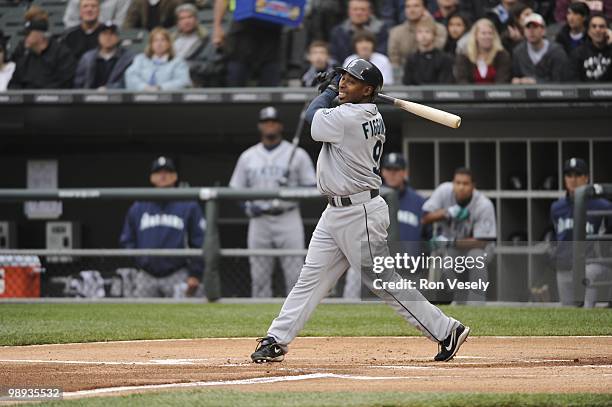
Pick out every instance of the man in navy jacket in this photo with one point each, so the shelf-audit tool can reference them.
(575, 174)
(165, 225)
(104, 67)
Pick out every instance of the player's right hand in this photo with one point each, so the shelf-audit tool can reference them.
(458, 213)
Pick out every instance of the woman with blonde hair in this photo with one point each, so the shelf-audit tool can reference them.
(485, 60)
(158, 68)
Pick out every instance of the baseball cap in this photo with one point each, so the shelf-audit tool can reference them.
(109, 25)
(163, 163)
(394, 160)
(268, 113)
(35, 25)
(577, 165)
(534, 18)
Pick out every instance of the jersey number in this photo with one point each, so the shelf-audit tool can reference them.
(376, 153)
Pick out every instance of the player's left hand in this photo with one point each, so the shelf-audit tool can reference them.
(192, 286)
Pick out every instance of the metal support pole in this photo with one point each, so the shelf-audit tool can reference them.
(212, 250)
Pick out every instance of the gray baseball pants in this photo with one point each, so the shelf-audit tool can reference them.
(336, 244)
(285, 231)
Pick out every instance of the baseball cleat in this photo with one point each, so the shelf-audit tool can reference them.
(268, 351)
(450, 346)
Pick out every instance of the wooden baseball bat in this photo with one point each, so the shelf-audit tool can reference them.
(426, 112)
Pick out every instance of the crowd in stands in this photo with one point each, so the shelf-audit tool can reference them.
(413, 42)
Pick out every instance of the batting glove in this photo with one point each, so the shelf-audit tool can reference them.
(328, 80)
(458, 213)
(252, 210)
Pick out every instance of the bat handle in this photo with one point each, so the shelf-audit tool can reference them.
(382, 98)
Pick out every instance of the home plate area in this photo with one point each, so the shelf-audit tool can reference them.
(359, 364)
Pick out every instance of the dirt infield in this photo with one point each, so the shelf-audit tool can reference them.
(484, 364)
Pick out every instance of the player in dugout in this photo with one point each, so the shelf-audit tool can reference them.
(576, 174)
(464, 225)
(165, 225)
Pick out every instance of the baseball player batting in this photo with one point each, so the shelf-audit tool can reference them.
(353, 135)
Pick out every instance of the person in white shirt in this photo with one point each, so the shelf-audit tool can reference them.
(364, 44)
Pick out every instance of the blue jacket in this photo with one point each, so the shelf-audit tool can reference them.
(86, 70)
(170, 75)
(165, 225)
(562, 217)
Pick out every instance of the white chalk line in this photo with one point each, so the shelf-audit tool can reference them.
(300, 338)
(257, 380)
(157, 362)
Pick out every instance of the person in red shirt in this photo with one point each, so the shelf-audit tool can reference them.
(485, 61)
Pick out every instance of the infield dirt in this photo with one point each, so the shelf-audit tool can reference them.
(362, 364)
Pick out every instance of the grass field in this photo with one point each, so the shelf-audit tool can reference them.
(236, 398)
(27, 324)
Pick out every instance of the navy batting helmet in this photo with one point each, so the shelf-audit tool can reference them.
(394, 161)
(365, 71)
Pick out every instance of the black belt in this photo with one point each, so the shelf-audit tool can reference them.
(346, 201)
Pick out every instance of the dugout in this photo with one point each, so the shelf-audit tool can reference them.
(514, 138)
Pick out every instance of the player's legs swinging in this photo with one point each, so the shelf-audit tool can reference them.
(331, 251)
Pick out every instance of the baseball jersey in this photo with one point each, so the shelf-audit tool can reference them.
(261, 168)
(562, 217)
(165, 225)
(479, 225)
(353, 136)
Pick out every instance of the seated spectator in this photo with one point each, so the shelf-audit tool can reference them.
(320, 61)
(392, 12)
(458, 25)
(514, 34)
(45, 64)
(33, 13)
(429, 64)
(592, 61)
(6, 68)
(190, 41)
(252, 48)
(84, 37)
(573, 33)
(595, 6)
(149, 14)
(402, 38)
(485, 60)
(104, 67)
(360, 18)
(110, 10)
(364, 44)
(537, 60)
(157, 68)
(445, 9)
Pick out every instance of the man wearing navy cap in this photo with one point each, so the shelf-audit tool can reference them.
(104, 67)
(575, 174)
(45, 64)
(165, 225)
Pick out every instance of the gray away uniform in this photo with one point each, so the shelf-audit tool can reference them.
(479, 225)
(260, 168)
(353, 137)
